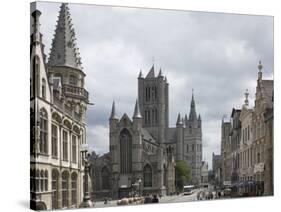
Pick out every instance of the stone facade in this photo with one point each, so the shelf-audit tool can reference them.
(143, 150)
(251, 141)
(58, 103)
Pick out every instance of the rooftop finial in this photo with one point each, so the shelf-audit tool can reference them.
(260, 70)
(137, 110)
(36, 25)
(246, 97)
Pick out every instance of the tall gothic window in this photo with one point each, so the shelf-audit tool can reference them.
(46, 180)
(37, 180)
(65, 145)
(43, 131)
(55, 188)
(74, 149)
(105, 178)
(42, 180)
(43, 88)
(64, 188)
(187, 148)
(147, 176)
(74, 189)
(54, 140)
(126, 151)
(32, 180)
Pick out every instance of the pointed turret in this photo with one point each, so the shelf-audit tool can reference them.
(64, 51)
(140, 75)
(160, 73)
(192, 113)
(113, 112)
(137, 114)
(151, 73)
(185, 119)
(179, 120)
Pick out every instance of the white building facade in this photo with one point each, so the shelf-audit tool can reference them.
(58, 102)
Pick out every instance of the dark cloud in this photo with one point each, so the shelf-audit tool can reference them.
(216, 54)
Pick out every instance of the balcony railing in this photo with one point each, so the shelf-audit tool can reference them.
(75, 91)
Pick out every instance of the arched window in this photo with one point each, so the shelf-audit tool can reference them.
(43, 131)
(73, 80)
(54, 141)
(74, 189)
(46, 180)
(126, 151)
(156, 116)
(65, 145)
(147, 176)
(37, 180)
(42, 181)
(35, 75)
(32, 180)
(64, 188)
(187, 148)
(43, 88)
(74, 149)
(55, 188)
(148, 117)
(105, 178)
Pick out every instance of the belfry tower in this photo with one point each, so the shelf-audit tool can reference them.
(153, 95)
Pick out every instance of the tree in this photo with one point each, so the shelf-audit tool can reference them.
(183, 174)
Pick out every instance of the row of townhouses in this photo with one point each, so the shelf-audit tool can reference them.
(246, 160)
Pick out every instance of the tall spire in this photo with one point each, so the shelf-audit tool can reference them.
(137, 111)
(151, 73)
(192, 113)
(64, 51)
(113, 112)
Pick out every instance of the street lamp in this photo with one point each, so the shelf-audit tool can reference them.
(139, 181)
(86, 203)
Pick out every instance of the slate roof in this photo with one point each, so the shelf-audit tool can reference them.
(64, 51)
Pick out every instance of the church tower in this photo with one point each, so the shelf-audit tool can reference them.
(153, 95)
(64, 65)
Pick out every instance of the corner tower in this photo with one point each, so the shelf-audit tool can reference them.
(64, 64)
(153, 95)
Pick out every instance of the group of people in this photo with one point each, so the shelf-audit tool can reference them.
(151, 198)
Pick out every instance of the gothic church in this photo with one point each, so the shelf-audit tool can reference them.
(143, 150)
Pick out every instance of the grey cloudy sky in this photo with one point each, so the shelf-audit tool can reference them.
(214, 53)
